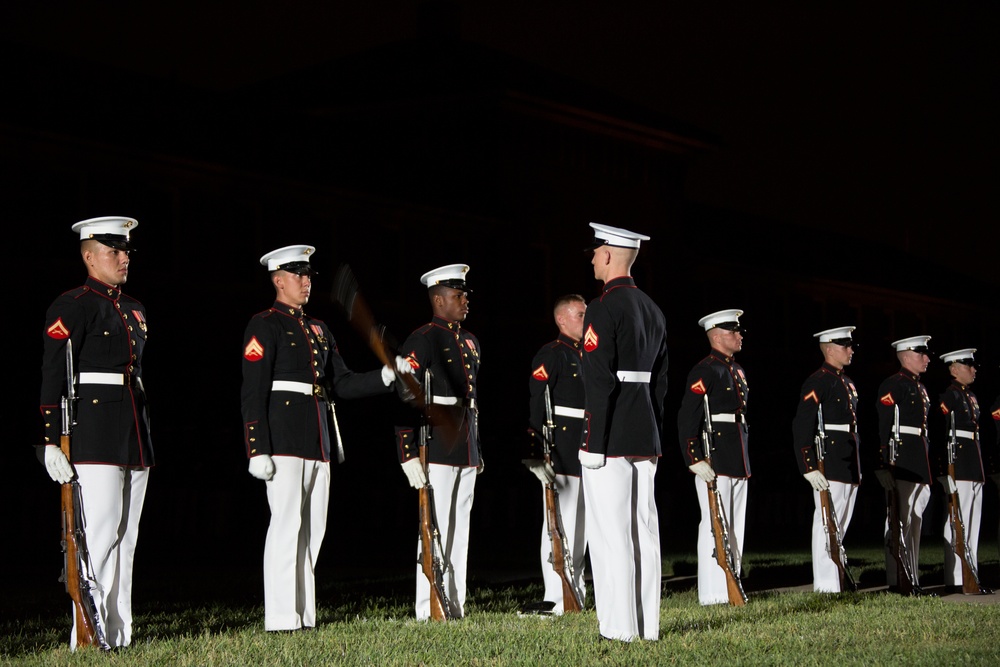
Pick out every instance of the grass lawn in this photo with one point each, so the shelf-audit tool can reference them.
(369, 621)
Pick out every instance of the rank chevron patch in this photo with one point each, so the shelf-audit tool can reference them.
(887, 400)
(540, 373)
(698, 387)
(58, 330)
(811, 395)
(590, 339)
(254, 351)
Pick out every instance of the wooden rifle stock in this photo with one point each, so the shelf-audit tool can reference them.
(74, 543)
(960, 544)
(720, 532)
(430, 559)
(562, 561)
(905, 580)
(835, 543)
(87, 629)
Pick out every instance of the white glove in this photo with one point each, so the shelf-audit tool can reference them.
(541, 469)
(885, 479)
(948, 483)
(482, 465)
(387, 375)
(591, 460)
(703, 470)
(262, 467)
(57, 465)
(403, 366)
(817, 479)
(414, 471)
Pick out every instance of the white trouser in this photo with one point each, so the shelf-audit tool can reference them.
(913, 499)
(454, 489)
(299, 496)
(112, 504)
(623, 535)
(826, 574)
(970, 498)
(571, 513)
(712, 587)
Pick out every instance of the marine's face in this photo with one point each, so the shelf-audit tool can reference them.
(107, 264)
(913, 361)
(293, 289)
(963, 373)
(453, 305)
(842, 355)
(570, 319)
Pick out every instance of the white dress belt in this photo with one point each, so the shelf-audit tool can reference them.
(563, 411)
(911, 430)
(846, 428)
(101, 378)
(724, 417)
(290, 385)
(454, 400)
(965, 434)
(634, 376)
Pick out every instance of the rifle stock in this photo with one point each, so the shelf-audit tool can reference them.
(960, 544)
(723, 548)
(905, 580)
(835, 542)
(562, 559)
(431, 553)
(87, 620)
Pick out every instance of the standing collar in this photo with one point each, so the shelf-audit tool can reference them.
(286, 309)
(451, 326)
(112, 292)
(620, 281)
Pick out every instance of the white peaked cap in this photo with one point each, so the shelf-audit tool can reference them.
(292, 258)
(615, 236)
(111, 230)
(964, 356)
(730, 317)
(452, 275)
(917, 343)
(832, 335)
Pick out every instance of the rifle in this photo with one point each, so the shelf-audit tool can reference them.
(74, 542)
(835, 541)
(725, 555)
(431, 551)
(960, 544)
(905, 580)
(561, 558)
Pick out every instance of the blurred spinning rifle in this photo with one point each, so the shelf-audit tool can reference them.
(432, 560)
(960, 542)
(561, 558)
(76, 559)
(835, 540)
(905, 580)
(725, 554)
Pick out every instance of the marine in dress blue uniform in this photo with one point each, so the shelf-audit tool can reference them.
(451, 353)
(292, 371)
(911, 474)
(725, 383)
(831, 389)
(557, 366)
(111, 452)
(959, 400)
(625, 381)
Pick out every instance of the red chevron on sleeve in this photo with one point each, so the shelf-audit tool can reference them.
(254, 351)
(58, 330)
(698, 387)
(887, 400)
(811, 395)
(540, 373)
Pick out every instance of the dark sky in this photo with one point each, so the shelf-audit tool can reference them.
(878, 120)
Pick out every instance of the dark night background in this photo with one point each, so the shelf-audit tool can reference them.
(814, 166)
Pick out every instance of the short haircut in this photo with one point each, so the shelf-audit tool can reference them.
(566, 300)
